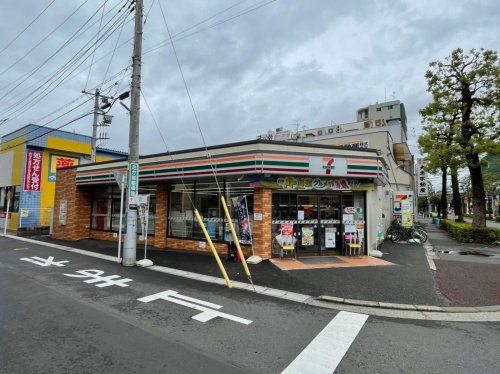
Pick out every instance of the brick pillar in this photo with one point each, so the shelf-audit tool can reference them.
(262, 203)
(78, 207)
(160, 240)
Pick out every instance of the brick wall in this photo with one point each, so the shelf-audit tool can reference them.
(79, 207)
(262, 203)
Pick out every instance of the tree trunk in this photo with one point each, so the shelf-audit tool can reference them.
(478, 195)
(457, 199)
(444, 198)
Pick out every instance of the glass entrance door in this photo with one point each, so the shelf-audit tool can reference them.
(307, 223)
(329, 225)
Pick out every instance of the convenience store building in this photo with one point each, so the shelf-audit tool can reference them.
(318, 194)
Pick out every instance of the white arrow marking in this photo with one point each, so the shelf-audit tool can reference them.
(206, 315)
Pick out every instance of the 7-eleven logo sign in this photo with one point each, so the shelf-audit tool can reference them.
(328, 165)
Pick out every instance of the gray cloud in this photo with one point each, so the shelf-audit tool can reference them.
(309, 61)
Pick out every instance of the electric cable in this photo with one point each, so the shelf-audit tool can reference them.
(241, 13)
(95, 45)
(190, 100)
(63, 70)
(27, 27)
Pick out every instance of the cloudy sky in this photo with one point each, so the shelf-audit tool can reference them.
(250, 65)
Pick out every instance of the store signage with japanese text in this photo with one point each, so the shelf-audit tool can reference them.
(33, 170)
(58, 161)
(422, 182)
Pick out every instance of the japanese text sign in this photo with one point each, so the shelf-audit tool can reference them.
(33, 170)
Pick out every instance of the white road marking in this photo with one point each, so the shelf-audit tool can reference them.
(201, 305)
(326, 350)
(110, 280)
(430, 254)
(20, 249)
(44, 261)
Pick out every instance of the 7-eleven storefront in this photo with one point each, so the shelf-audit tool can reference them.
(315, 194)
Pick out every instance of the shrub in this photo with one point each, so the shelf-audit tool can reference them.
(497, 219)
(465, 233)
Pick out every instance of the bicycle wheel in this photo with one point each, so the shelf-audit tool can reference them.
(420, 234)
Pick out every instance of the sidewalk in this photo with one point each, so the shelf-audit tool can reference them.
(467, 273)
(408, 281)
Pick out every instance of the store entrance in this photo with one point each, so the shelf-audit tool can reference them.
(315, 222)
(318, 223)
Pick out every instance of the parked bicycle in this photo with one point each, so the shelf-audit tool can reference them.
(399, 233)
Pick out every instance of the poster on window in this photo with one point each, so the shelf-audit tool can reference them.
(307, 235)
(286, 231)
(58, 161)
(330, 232)
(33, 170)
(241, 207)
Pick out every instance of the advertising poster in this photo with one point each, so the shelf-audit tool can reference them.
(240, 205)
(407, 219)
(330, 232)
(33, 170)
(286, 230)
(307, 235)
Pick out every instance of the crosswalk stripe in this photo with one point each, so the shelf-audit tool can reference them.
(326, 350)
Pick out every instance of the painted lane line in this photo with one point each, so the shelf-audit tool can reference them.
(44, 261)
(110, 280)
(326, 350)
(206, 314)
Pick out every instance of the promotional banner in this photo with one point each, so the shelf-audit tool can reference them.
(241, 207)
(286, 230)
(307, 183)
(33, 170)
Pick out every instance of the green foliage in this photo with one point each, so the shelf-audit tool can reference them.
(465, 233)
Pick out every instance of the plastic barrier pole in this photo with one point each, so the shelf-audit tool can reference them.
(211, 245)
(235, 237)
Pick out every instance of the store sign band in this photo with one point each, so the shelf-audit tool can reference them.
(319, 184)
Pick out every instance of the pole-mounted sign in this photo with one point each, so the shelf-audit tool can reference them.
(133, 182)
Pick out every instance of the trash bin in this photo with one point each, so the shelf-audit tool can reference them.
(436, 220)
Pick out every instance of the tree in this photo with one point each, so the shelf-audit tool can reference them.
(471, 82)
(437, 143)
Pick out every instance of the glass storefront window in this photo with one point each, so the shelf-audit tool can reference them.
(207, 201)
(14, 201)
(106, 208)
(181, 214)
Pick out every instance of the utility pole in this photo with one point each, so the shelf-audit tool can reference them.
(129, 247)
(94, 125)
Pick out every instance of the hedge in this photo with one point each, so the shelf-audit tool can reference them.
(465, 233)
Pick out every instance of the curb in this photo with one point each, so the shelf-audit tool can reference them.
(416, 307)
(282, 294)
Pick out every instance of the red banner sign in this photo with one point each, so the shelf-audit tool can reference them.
(33, 170)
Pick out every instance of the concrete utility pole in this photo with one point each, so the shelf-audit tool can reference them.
(94, 125)
(129, 247)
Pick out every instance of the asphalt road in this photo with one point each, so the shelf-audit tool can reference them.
(56, 319)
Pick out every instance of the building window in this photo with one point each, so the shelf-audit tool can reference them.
(207, 201)
(14, 201)
(379, 109)
(206, 197)
(105, 214)
(389, 107)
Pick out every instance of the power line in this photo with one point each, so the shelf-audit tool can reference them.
(190, 100)
(241, 13)
(27, 27)
(42, 40)
(61, 73)
(95, 45)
